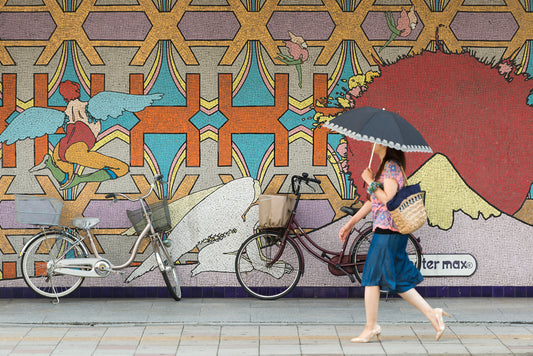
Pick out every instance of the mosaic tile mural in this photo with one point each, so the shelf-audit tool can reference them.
(226, 99)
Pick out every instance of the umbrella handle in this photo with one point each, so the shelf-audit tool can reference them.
(372, 154)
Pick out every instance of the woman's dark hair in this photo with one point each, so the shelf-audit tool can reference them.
(391, 155)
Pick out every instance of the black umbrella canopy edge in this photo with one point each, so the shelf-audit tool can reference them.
(360, 136)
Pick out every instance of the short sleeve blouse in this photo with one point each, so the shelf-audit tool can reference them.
(380, 214)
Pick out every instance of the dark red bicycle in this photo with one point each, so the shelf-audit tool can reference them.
(269, 264)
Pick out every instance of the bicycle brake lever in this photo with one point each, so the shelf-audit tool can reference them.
(112, 195)
(307, 183)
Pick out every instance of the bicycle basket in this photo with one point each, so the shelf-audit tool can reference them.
(159, 213)
(275, 211)
(37, 210)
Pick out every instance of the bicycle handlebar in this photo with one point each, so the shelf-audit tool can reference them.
(157, 179)
(303, 178)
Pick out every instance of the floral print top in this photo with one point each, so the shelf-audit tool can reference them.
(380, 215)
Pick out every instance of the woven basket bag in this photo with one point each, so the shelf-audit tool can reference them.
(407, 208)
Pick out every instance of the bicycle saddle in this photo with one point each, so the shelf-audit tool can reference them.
(349, 210)
(85, 223)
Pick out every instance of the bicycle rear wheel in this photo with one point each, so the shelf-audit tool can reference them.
(360, 251)
(40, 257)
(254, 272)
(168, 269)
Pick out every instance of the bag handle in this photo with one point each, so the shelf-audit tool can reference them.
(405, 182)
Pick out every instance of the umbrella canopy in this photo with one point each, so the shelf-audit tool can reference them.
(379, 126)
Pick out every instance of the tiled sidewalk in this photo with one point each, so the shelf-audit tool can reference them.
(477, 326)
(231, 340)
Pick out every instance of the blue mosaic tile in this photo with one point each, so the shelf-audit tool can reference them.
(240, 293)
(196, 292)
(298, 292)
(530, 291)
(341, 292)
(442, 292)
(454, 292)
(356, 292)
(521, 292)
(497, 291)
(486, 291)
(229, 292)
(475, 292)
(509, 292)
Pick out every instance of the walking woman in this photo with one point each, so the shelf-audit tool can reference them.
(387, 266)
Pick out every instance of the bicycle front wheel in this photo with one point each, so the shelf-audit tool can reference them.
(257, 274)
(168, 269)
(40, 258)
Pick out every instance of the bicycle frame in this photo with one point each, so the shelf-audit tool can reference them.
(89, 266)
(97, 266)
(336, 258)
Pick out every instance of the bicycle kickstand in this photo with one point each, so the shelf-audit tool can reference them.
(55, 302)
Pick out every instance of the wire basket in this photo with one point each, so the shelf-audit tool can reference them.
(37, 210)
(159, 213)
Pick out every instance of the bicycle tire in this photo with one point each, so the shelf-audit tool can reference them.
(39, 257)
(168, 270)
(260, 280)
(360, 251)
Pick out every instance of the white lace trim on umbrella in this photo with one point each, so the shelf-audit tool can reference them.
(358, 137)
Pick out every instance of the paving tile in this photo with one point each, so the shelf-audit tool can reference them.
(487, 349)
(397, 333)
(318, 334)
(426, 334)
(276, 349)
(240, 332)
(371, 348)
(321, 349)
(197, 350)
(521, 349)
(238, 349)
(34, 349)
(194, 335)
(78, 350)
(403, 348)
(278, 335)
(156, 350)
(435, 349)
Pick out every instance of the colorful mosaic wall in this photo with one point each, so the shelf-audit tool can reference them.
(226, 99)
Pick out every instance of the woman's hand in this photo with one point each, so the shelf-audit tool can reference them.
(345, 231)
(368, 175)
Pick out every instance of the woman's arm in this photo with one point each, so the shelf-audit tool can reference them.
(390, 187)
(361, 213)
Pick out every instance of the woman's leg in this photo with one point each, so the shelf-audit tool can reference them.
(371, 308)
(415, 299)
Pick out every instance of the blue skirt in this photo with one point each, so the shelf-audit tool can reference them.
(388, 266)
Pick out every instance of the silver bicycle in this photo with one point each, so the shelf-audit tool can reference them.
(56, 260)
